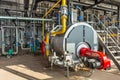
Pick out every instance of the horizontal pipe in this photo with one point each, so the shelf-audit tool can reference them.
(23, 18)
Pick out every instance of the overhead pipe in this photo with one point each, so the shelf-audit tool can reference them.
(63, 18)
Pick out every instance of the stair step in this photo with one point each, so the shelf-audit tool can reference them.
(100, 31)
(117, 57)
(112, 46)
(110, 42)
(114, 51)
(119, 62)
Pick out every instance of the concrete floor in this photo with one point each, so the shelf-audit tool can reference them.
(30, 67)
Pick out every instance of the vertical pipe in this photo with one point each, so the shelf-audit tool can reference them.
(43, 24)
(69, 10)
(47, 44)
(3, 42)
(16, 40)
(64, 3)
(26, 7)
(118, 16)
(72, 21)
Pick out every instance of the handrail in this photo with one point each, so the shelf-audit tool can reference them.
(109, 32)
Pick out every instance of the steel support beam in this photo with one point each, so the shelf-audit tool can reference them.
(115, 3)
(95, 7)
(9, 3)
(119, 16)
(26, 7)
(96, 3)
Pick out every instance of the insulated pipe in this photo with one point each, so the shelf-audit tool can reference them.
(63, 18)
(47, 44)
(16, 41)
(64, 3)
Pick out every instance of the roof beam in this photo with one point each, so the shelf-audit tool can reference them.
(96, 3)
(116, 3)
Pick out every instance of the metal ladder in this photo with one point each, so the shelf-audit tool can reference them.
(108, 41)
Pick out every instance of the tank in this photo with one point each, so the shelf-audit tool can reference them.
(75, 35)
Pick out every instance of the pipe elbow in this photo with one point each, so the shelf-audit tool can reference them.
(62, 31)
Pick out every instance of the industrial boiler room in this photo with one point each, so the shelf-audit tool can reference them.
(59, 39)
